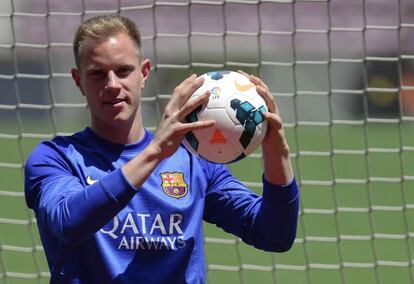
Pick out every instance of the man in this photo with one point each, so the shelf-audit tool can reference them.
(102, 214)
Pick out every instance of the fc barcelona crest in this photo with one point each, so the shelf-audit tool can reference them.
(173, 184)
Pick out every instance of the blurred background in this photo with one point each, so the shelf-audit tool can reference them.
(342, 72)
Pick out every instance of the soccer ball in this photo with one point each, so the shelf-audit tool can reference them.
(237, 109)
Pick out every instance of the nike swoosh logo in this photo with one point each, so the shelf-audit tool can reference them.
(243, 87)
(90, 181)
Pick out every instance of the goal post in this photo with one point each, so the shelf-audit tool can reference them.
(342, 73)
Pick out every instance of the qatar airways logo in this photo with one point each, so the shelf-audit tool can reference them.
(140, 231)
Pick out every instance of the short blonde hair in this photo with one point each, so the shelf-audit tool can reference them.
(102, 27)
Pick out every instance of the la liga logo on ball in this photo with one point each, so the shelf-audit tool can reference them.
(237, 109)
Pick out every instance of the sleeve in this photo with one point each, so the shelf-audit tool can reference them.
(268, 222)
(68, 209)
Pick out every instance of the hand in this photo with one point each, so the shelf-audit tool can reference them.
(277, 164)
(173, 127)
(275, 137)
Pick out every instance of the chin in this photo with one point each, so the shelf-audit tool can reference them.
(122, 118)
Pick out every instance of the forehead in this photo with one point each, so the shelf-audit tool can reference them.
(118, 48)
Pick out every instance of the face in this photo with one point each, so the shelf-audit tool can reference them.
(111, 77)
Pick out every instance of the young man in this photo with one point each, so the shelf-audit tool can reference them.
(99, 195)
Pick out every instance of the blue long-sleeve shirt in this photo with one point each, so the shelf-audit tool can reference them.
(96, 227)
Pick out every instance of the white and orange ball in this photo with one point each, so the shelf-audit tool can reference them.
(237, 109)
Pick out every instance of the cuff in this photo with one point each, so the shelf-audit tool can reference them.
(117, 186)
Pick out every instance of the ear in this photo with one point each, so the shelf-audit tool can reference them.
(145, 70)
(76, 77)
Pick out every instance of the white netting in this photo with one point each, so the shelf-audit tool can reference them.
(341, 71)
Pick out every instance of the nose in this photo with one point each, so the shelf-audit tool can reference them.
(113, 81)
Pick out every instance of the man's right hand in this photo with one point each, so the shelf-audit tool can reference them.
(170, 132)
(173, 127)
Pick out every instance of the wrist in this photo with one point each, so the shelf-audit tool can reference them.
(141, 166)
(277, 164)
(276, 142)
(153, 152)
(279, 148)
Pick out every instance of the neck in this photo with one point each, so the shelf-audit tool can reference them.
(120, 133)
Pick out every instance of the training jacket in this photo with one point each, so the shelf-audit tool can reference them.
(96, 227)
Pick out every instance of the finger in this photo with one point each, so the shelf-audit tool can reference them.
(184, 90)
(268, 98)
(258, 82)
(189, 79)
(188, 87)
(262, 89)
(192, 104)
(187, 127)
(193, 81)
(255, 80)
(273, 119)
(194, 86)
(244, 73)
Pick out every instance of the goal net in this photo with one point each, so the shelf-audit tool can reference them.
(342, 72)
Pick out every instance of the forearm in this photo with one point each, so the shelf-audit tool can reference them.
(268, 222)
(277, 165)
(140, 167)
(75, 213)
(71, 209)
(92, 208)
(277, 218)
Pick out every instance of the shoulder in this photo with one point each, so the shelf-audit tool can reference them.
(49, 150)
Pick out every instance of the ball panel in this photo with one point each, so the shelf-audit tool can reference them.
(217, 75)
(218, 153)
(242, 106)
(219, 94)
(217, 140)
(257, 138)
(223, 121)
(192, 141)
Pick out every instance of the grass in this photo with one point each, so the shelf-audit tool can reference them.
(318, 249)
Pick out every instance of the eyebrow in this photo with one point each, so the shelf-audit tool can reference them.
(95, 67)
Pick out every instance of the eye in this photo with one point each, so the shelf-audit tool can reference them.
(97, 73)
(124, 71)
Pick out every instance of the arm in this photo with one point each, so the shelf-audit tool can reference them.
(277, 165)
(73, 212)
(170, 132)
(63, 204)
(268, 223)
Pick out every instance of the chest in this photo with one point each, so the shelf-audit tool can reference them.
(175, 185)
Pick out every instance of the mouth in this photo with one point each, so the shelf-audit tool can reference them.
(114, 102)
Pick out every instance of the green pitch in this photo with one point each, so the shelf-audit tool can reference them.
(378, 239)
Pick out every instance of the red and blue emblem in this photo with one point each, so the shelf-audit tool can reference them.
(173, 184)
